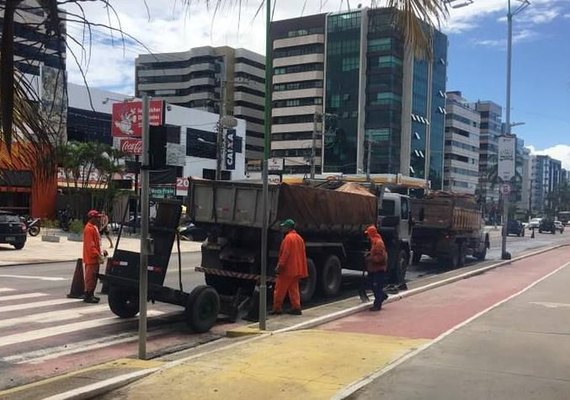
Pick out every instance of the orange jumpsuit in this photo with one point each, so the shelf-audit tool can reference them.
(292, 267)
(91, 254)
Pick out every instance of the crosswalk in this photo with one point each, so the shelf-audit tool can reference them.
(46, 329)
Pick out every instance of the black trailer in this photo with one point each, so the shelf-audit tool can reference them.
(121, 277)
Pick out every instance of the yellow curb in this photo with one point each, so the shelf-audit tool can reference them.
(244, 331)
(122, 363)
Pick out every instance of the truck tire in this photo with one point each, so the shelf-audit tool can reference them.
(330, 276)
(123, 302)
(461, 259)
(402, 266)
(308, 285)
(416, 258)
(452, 261)
(202, 308)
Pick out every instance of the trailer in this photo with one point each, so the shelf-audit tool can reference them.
(121, 277)
(448, 227)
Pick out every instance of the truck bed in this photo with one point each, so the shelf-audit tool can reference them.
(315, 211)
(446, 211)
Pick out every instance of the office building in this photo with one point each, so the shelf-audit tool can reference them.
(461, 165)
(198, 78)
(491, 129)
(354, 68)
(546, 178)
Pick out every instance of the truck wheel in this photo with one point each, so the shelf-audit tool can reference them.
(461, 259)
(452, 261)
(416, 258)
(403, 262)
(482, 255)
(123, 302)
(202, 308)
(307, 286)
(331, 276)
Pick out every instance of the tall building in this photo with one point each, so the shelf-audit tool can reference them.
(491, 129)
(354, 68)
(461, 165)
(197, 78)
(546, 177)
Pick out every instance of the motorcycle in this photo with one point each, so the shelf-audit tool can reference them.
(32, 225)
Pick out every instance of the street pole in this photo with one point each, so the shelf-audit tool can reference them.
(368, 155)
(314, 145)
(144, 242)
(265, 178)
(220, 131)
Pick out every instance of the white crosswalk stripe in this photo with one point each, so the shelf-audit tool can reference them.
(22, 296)
(6, 289)
(37, 304)
(53, 316)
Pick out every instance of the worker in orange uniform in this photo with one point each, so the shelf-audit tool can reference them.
(291, 267)
(376, 265)
(92, 255)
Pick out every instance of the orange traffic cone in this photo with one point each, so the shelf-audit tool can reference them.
(78, 284)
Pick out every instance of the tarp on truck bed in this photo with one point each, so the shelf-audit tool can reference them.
(314, 210)
(442, 210)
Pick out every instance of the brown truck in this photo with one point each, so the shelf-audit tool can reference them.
(448, 227)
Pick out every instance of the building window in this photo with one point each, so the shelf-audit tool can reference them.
(381, 44)
(350, 64)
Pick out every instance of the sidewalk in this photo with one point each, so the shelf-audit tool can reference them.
(37, 251)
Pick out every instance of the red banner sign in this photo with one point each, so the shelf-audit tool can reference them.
(131, 146)
(182, 184)
(127, 117)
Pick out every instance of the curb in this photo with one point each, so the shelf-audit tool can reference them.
(108, 385)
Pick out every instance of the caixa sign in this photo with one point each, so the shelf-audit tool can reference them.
(131, 146)
(230, 149)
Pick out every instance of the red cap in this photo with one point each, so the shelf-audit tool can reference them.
(93, 214)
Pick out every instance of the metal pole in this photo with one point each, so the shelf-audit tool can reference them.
(220, 133)
(314, 145)
(265, 195)
(143, 273)
(504, 254)
(368, 155)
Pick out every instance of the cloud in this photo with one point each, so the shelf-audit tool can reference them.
(559, 152)
(535, 15)
(521, 36)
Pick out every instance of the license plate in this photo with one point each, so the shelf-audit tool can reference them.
(10, 238)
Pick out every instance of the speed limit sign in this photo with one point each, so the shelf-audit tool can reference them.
(505, 189)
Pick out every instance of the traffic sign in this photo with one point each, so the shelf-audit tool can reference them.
(275, 164)
(505, 189)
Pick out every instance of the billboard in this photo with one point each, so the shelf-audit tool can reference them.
(506, 162)
(230, 149)
(127, 117)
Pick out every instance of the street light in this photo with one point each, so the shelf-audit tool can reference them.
(465, 3)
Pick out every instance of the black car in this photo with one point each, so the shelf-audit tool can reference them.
(12, 230)
(515, 228)
(547, 225)
(192, 232)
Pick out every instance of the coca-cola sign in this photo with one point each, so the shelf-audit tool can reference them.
(131, 146)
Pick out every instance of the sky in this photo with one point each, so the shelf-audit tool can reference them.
(476, 60)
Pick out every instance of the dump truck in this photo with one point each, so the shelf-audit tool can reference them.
(331, 222)
(448, 227)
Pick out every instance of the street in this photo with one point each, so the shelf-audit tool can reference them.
(42, 333)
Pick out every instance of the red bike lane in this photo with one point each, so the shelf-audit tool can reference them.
(430, 314)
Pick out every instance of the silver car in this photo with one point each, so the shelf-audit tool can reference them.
(559, 226)
(534, 223)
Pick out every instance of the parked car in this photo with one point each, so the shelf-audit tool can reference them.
(515, 228)
(131, 224)
(192, 232)
(559, 226)
(534, 223)
(547, 225)
(12, 230)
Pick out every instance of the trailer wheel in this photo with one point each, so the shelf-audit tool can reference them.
(416, 258)
(330, 277)
(123, 302)
(308, 285)
(202, 308)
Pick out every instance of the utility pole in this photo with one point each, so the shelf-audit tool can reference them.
(368, 156)
(314, 144)
(145, 242)
(220, 130)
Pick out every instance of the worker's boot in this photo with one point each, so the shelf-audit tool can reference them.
(89, 298)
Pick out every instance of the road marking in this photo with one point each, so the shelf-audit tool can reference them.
(6, 289)
(550, 305)
(41, 278)
(39, 356)
(37, 304)
(59, 330)
(359, 384)
(22, 296)
(53, 316)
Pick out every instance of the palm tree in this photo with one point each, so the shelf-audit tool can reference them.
(22, 124)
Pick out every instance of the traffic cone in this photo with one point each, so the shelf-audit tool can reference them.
(78, 284)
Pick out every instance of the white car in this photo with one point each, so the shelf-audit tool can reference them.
(534, 223)
(559, 226)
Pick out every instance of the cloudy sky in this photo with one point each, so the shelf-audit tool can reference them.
(477, 51)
